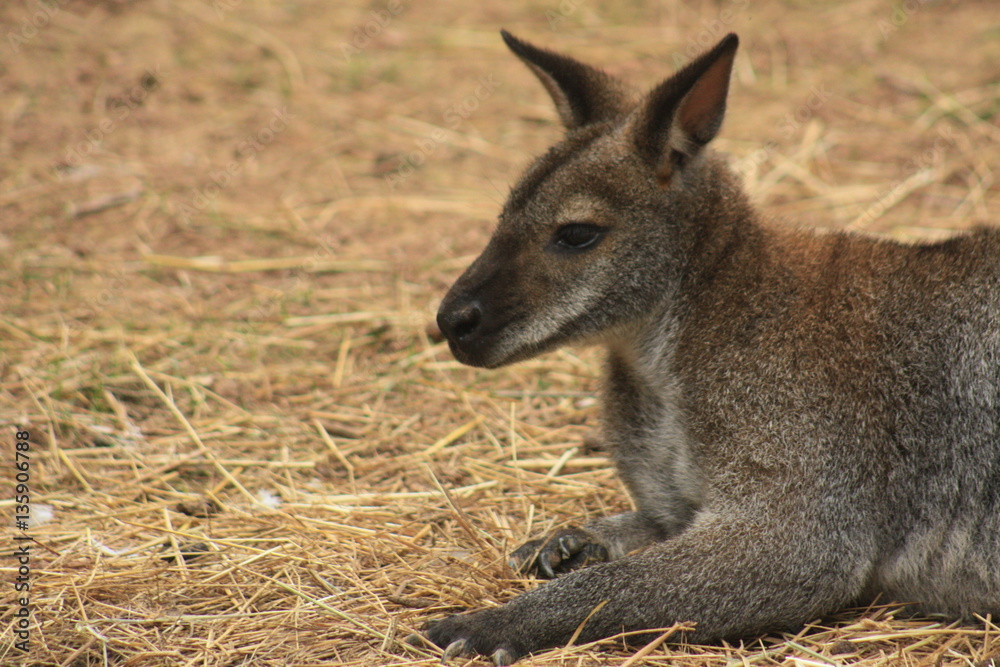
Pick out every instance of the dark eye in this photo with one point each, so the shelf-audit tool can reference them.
(577, 236)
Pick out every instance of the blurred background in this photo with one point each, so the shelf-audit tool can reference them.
(225, 228)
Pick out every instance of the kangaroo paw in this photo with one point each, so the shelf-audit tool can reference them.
(563, 551)
(471, 634)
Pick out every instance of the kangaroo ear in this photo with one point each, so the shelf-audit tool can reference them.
(685, 112)
(583, 94)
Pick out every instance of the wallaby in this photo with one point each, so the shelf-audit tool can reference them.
(804, 420)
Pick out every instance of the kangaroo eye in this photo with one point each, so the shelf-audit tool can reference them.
(577, 236)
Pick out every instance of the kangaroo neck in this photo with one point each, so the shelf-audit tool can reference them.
(720, 245)
(720, 233)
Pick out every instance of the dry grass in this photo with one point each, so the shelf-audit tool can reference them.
(253, 450)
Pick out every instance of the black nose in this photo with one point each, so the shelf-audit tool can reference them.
(461, 322)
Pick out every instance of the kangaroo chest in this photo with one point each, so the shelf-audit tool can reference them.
(644, 431)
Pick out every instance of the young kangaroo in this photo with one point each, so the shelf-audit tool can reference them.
(804, 421)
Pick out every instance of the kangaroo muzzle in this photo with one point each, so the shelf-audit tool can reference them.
(460, 322)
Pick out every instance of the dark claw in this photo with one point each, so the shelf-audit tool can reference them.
(502, 657)
(545, 566)
(455, 649)
(569, 545)
(523, 558)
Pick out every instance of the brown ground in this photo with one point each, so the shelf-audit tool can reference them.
(171, 344)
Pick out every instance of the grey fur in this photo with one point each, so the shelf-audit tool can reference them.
(803, 420)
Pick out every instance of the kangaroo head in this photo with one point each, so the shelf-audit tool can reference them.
(589, 239)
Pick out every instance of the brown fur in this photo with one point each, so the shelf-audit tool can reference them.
(803, 420)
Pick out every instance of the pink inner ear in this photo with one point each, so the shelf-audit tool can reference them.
(700, 113)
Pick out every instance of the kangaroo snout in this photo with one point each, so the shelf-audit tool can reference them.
(464, 322)
(481, 316)
(459, 322)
